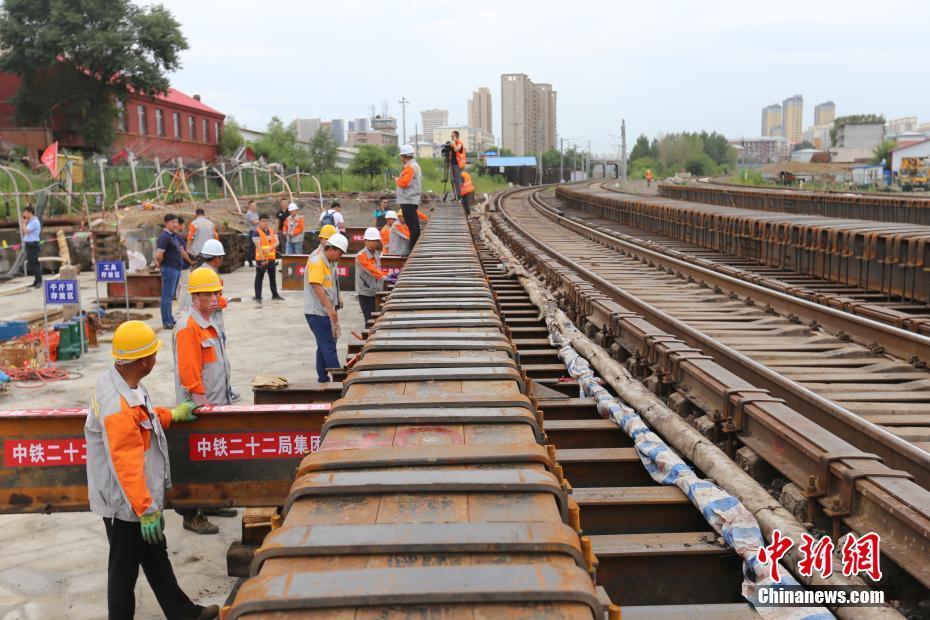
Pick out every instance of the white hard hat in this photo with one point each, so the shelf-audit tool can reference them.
(372, 234)
(406, 150)
(339, 241)
(390, 215)
(212, 247)
(292, 207)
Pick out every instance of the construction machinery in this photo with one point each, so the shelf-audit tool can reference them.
(914, 173)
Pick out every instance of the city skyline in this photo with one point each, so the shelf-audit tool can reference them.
(665, 56)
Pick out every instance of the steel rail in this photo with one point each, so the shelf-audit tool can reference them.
(822, 462)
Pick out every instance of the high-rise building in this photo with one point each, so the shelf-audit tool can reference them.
(792, 112)
(339, 131)
(361, 124)
(528, 114)
(479, 109)
(824, 113)
(433, 119)
(307, 128)
(771, 119)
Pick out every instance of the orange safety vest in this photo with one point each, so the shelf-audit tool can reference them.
(459, 154)
(385, 236)
(265, 250)
(467, 186)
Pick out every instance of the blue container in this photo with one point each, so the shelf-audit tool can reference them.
(12, 329)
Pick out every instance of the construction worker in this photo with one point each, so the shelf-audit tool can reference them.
(468, 192)
(457, 163)
(294, 231)
(265, 259)
(408, 192)
(321, 298)
(211, 257)
(251, 218)
(400, 237)
(200, 230)
(281, 215)
(325, 233)
(368, 272)
(383, 207)
(648, 177)
(184, 299)
(127, 474)
(31, 230)
(169, 261)
(201, 365)
(390, 217)
(333, 215)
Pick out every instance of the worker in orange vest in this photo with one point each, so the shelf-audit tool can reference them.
(648, 177)
(390, 217)
(265, 259)
(457, 163)
(468, 192)
(368, 272)
(400, 237)
(293, 231)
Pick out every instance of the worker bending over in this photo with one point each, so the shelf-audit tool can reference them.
(201, 367)
(368, 273)
(127, 474)
(468, 192)
(321, 298)
(400, 243)
(294, 231)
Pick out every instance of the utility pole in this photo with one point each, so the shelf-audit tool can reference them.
(589, 170)
(561, 160)
(403, 104)
(623, 149)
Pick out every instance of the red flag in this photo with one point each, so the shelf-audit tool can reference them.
(50, 158)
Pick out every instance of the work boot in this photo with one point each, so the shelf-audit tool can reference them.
(205, 613)
(220, 512)
(278, 298)
(198, 523)
(235, 396)
(257, 300)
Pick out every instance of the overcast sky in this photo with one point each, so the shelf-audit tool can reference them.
(664, 66)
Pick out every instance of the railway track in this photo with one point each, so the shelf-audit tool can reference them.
(875, 405)
(457, 477)
(873, 304)
(910, 208)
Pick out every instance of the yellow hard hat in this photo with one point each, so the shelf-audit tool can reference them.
(204, 280)
(134, 340)
(327, 231)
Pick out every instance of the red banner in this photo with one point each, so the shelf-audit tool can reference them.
(50, 158)
(248, 446)
(44, 452)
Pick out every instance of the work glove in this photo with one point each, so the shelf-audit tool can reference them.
(153, 527)
(337, 331)
(269, 382)
(184, 412)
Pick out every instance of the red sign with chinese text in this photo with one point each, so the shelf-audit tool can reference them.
(248, 446)
(44, 452)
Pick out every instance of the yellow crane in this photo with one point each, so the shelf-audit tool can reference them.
(914, 173)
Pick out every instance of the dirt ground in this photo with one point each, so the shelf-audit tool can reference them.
(55, 565)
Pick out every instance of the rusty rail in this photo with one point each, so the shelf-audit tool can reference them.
(877, 207)
(853, 487)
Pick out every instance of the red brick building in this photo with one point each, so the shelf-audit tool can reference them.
(168, 126)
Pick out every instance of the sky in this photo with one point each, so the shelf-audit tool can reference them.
(663, 66)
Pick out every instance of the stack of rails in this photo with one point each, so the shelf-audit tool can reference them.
(432, 491)
(878, 207)
(892, 259)
(657, 319)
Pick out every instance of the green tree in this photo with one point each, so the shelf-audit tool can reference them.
(322, 152)
(506, 153)
(640, 149)
(882, 153)
(370, 161)
(77, 58)
(717, 147)
(279, 144)
(639, 166)
(700, 165)
(806, 144)
(232, 138)
(551, 159)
